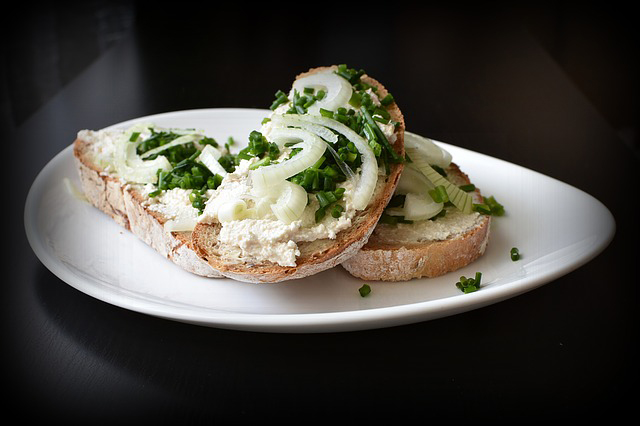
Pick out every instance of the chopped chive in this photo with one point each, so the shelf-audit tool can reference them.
(468, 188)
(381, 114)
(336, 211)
(387, 100)
(134, 136)
(482, 209)
(515, 254)
(478, 278)
(330, 172)
(394, 155)
(440, 170)
(322, 199)
(319, 163)
(329, 184)
(308, 178)
(263, 162)
(355, 100)
(496, 208)
(330, 196)
(365, 290)
(439, 194)
(369, 133)
(469, 285)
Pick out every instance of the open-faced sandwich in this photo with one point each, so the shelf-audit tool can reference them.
(302, 197)
(309, 189)
(154, 182)
(436, 222)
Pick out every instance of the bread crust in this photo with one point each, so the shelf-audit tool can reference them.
(383, 261)
(125, 205)
(319, 255)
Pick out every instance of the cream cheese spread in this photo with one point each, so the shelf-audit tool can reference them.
(453, 223)
(103, 147)
(264, 237)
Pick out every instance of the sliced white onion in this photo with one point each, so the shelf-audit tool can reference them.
(413, 181)
(312, 149)
(428, 148)
(322, 131)
(418, 204)
(232, 210)
(130, 166)
(461, 199)
(291, 203)
(293, 120)
(366, 183)
(261, 208)
(338, 90)
(416, 207)
(209, 157)
(180, 140)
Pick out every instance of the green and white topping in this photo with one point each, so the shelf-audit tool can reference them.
(315, 162)
(423, 190)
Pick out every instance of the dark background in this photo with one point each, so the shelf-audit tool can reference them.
(595, 44)
(552, 86)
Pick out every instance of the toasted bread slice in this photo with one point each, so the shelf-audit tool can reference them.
(321, 254)
(400, 252)
(129, 206)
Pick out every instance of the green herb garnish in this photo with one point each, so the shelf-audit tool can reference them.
(469, 285)
(439, 194)
(515, 254)
(489, 207)
(365, 290)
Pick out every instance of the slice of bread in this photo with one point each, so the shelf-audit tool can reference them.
(129, 205)
(430, 248)
(318, 255)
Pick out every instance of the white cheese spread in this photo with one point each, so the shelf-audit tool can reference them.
(102, 146)
(452, 224)
(264, 237)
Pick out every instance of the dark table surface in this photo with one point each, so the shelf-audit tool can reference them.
(564, 351)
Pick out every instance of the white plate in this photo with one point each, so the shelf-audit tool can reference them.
(557, 228)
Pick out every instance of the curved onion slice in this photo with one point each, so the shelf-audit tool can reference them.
(209, 157)
(428, 148)
(418, 204)
(312, 149)
(292, 120)
(416, 207)
(338, 90)
(413, 181)
(130, 166)
(322, 131)
(366, 184)
(291, 203)
(232, 210)
(462, 200)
